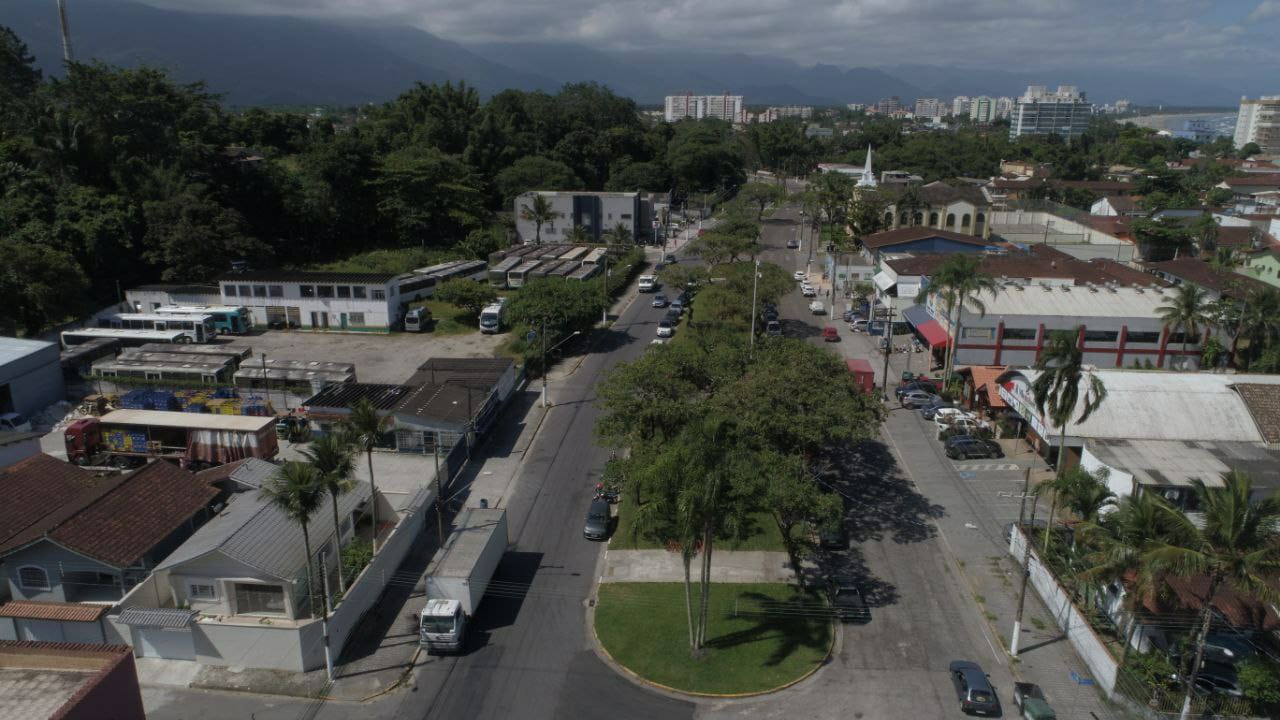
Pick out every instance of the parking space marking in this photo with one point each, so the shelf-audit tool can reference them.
(986, 466)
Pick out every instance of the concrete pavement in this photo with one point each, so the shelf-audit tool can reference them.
(729, 566)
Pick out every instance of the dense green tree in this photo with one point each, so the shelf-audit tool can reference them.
(427, 194)
(762, 195)
(534, 173)
(470, 295)
(39, 285)
(1187, 311)
(190, 237)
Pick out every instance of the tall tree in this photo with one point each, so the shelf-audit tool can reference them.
(366, 428)
(1064, 388)
(1188, 311)
(539, 211)
(957, 281)
(761, 195)
(298, 491)
(1237, 544)
(330, 455)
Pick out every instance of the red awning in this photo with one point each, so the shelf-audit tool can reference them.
(933, 333)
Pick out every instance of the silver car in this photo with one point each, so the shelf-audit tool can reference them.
(917, 399)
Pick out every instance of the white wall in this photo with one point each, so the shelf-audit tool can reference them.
(1068, 618)
(1118, 481)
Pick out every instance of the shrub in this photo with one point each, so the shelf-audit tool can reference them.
(1260, 681)
(355, 556)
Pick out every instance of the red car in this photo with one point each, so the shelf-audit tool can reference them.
(829, 334)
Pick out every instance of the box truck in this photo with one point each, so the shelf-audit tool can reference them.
(459, 576)
(129, 438)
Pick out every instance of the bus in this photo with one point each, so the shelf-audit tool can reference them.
(227, 319)
(198, 327)
(126, 338)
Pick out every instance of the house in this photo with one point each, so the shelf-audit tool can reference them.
(961, 209)
(916, 240)
(1244, 187)
(30, 376)
(249, 560)
(1117, 206)
(16, 446)
(980, 390)
(68, 681)
(69, 536)
(596, 212)
(1217, 282)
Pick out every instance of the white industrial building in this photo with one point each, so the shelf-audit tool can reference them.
(30, 376)
(596, 212)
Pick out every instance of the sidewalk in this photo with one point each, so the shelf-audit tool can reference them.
(744, 566)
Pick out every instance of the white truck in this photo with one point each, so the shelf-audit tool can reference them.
(491, 317)
(459, 576)
(648, 283)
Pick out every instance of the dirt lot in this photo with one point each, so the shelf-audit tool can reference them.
(378, 358)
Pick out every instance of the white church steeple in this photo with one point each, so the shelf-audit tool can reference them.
(868, 178)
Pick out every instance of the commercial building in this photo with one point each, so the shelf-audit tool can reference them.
(68, 681)
(982, 109)
(696, 107)
(1259, 122)
(1064, 112)
(30, 376)
(595, 212)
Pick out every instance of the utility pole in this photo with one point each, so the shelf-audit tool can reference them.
(755, 281)
(544, 362)
(266, 389)
(324, 621)
(67, 55)
(439, 494)
(604, 286)
(1026, 559)
(888, 350)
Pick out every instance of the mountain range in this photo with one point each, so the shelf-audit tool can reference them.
(289, 61)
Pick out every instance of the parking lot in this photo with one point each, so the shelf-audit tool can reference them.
(378, 358)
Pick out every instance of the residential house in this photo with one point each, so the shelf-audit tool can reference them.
(1217, 282)
(1117, 206)
(69, 536)
(1244, 187)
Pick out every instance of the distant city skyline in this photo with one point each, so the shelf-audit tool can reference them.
(1198, 39)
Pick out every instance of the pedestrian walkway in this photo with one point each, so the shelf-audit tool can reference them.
(727, 566)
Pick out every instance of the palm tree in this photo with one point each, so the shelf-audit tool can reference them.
(540, 212)
(331, 457)
(579, 234)
(1261, 317)
(619, 234)
(1086, 495)
(1237, 544)
(365, 427)
(1058, 388)
(1187, 310)
(959, 280)
(298, 491)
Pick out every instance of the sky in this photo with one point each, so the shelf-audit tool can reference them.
(1200, 38)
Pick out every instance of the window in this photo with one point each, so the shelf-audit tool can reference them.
(1179, 338)
(267, 599)
(245, 291)
(31, 577)
(888, 219)
(324, 291)
(379, 294)
(201, 591)
(964, 221)
(259, 290)
(275, 290)
(344, 291)
(1103, 336)
(625, 216)
(358, 292)
(951, 220)
(979, 333)
(356, 318)
(917, 219)
(307, 291)
(1020, 333)
(933, 219)
(229, 290)
(1142, 337)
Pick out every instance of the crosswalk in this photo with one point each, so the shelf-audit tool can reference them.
(985, 467)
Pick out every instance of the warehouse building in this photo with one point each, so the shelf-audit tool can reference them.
(30, 376)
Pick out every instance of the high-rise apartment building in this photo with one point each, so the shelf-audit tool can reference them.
(960, 105)
(774, 114)
(982, 109)
(721, 107)
(888, 105)
(930, 107)
(1063, 112)
(1259, 122)
(1004, 108)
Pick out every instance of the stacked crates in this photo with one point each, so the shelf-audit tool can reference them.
(143, 399)
(126, 441)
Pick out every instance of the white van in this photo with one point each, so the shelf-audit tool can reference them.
(648, 283)
(491, 317)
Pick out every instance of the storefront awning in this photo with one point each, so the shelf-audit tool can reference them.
(924, 324)
(883, 282)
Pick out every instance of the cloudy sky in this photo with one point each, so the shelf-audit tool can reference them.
(1196, 37)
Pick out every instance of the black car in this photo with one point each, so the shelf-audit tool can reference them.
(964, 447)
(770, 316)
(905, 388)
(833, 537)
(973, 689)
(847, 603)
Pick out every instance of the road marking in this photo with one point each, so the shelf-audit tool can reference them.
(987, 466)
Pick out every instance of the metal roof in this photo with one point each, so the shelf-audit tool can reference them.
(1182, 462)
(15, 348)
(1070, 301)
(474, 372)
(169, 618)
(256, 533)
(346, 395)
(189, 421)
(306, 276)
(211, 349)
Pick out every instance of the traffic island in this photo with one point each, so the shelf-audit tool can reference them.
(761, 637)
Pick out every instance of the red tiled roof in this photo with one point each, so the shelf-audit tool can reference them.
(1263, 402)
(34, 610)
(33, 489)
(1239, 610)
(1203, 274)
(120, 519)
(911, 234)
(984, 381)
(1039, 261)
(1235, 236)
(1121, 203)
(221, 472)
(1096, 185)
(1254, 179)
(1113, 225)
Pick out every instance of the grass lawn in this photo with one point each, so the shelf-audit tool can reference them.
(448, 319)
(764, 535)
(644, 627)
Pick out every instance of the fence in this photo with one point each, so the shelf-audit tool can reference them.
(1157, 703)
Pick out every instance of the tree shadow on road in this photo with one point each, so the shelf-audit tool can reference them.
(880, 500)
(850, 564)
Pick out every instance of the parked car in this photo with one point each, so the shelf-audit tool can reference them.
(858, 325)
(677, 306)
(916, 398)
(1031, 702)
(793, 244)
(666, 328)
(13, 422)
(907, 387)
(965, 447)
(946, 416)
(929, 412)
(1218, 678)
(808, 291)
(597, 525)
(773, 328)
(847, 602)
(817, 308)
(659, 301)
(973, 688)
(961, 426)
(834, 537)
(770, 315)
(672, 316)
(799, 275)
(829, 334)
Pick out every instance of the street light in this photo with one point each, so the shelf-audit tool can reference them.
(545, 350)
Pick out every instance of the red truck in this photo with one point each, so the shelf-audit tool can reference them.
(129, 438)
(863, 373)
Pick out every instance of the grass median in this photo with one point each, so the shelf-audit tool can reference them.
(753, 645)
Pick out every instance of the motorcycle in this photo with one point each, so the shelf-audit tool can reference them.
(610, 495)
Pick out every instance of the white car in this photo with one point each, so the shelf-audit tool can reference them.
(817, 308)
(800, 275)
(808, 291)
(968, 425)
(665, 329)
(946, 416)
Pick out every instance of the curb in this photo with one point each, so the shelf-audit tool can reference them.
(642, 681)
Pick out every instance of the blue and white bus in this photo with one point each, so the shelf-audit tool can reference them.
(227, 319)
